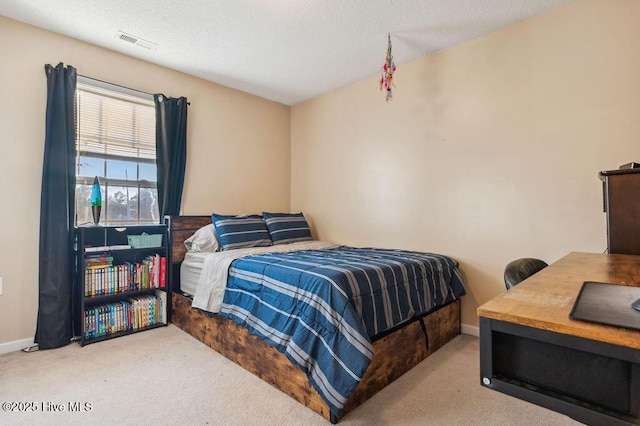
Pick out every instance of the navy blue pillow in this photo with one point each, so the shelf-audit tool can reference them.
(287, 228)
(241, 231)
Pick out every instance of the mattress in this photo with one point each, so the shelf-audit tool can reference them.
(190, 271)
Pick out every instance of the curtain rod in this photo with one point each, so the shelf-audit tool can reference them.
(119, 85)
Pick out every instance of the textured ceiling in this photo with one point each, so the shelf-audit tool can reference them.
(284, 50)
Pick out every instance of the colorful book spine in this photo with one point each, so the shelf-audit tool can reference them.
(163, 271)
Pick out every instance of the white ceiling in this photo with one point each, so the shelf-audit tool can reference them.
(284, 50)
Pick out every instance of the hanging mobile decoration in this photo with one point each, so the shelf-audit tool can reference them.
(388, 69)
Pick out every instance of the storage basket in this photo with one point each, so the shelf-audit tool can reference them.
(145, 240)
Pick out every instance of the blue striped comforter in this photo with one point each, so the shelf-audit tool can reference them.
(321, 307)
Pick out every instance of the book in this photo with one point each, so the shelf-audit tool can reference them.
(156, 271)
(163, 271)
(97, 260)
(96, 249)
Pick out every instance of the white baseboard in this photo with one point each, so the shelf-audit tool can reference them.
(471, 330)
(17, 345)
(14, 346)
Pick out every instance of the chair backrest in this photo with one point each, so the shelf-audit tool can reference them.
(520, 269)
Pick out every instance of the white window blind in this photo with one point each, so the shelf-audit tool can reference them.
(116, 124)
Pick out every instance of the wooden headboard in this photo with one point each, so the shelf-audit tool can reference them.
(179, 228)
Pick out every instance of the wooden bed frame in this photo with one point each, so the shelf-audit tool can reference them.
(394, 354)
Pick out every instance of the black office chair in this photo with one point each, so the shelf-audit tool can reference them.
(520, 269)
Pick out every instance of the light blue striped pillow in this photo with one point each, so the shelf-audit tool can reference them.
(241, 231)
(287, 228)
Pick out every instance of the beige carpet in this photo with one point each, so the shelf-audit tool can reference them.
(164, 376)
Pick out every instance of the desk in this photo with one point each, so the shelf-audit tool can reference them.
(531, 349)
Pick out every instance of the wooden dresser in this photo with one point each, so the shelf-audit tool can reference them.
(621, 190)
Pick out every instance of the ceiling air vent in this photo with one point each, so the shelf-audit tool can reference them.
(136, 40)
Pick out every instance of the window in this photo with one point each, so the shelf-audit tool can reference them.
(116, 141)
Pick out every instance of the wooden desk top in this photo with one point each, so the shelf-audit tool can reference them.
(545, 299)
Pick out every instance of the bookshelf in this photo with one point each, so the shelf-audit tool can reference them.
(120, 286)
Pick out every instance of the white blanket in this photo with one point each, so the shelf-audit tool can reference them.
(213, 279)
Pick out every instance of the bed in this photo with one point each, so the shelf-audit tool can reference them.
(349, 353)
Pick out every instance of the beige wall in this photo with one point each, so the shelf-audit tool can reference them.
(238, 149)
(490, 150)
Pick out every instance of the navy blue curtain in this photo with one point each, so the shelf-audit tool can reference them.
(171, 152)
(54, 327)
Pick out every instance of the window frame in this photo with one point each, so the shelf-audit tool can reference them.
(143, 99)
